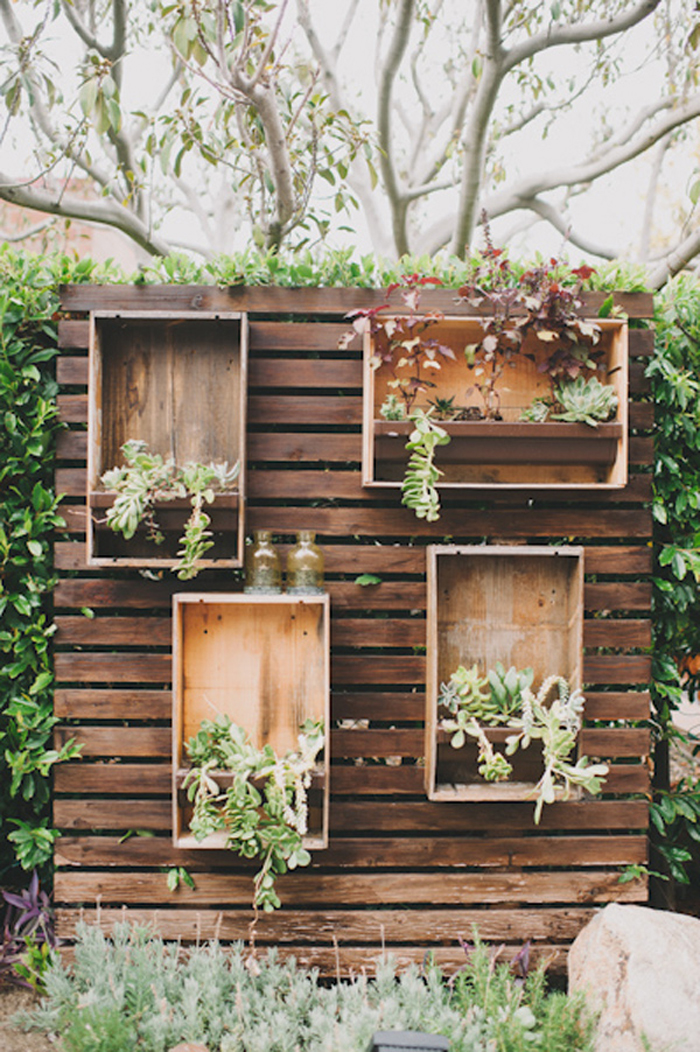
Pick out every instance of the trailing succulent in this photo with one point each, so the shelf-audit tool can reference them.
(147, 480)
(418, 487)
(264, 813)
(504, 698)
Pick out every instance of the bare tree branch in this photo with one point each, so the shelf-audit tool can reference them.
(577, 33)
(554, 217)
(397, 48)
(37, 228)
(588, 170)
(104, 211)
(358, 178)
(650, 199)
(675, 260)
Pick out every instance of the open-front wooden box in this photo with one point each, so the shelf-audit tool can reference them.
(507, 453)
(262, 660)
(520, 605)
(178, 382)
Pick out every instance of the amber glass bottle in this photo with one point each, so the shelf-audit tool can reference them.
(305, 566)
(263, 571)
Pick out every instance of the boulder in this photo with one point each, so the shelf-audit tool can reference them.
(640, 968)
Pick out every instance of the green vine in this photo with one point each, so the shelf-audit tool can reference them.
(264, 813)
(419, 485)
(28, 518)
(503, 697)
(147, 480)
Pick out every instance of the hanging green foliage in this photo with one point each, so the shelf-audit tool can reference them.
(28, 517)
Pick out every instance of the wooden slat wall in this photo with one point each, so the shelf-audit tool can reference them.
(400, 872)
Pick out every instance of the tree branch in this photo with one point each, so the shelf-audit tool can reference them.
(650, 199)
(397, 48)
(591, 169)
(25, 234)
(577, 33)
(675, 260)
(554, 217)
(105, 211)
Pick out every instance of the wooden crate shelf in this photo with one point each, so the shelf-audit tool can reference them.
(505, 454)
(178, 382)
(264, 661)
(521, 605)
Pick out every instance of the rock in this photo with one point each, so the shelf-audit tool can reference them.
(641, 969)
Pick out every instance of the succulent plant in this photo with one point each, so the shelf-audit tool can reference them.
(538, 412)
(585, 401)
(392, 408)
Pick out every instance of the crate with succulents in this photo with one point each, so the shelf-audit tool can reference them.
(251, 690)
(504, 706)
(166, 440)
(528, 393)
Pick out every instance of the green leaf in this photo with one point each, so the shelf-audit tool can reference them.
(606, 307)
(366, 579)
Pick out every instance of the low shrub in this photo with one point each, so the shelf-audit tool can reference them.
(132, 991)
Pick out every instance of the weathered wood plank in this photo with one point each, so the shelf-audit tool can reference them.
(583, 852)
(360, 889)
(345, 595)
(332, 961)
(74, 703)
(373, 668)
(156, 741)
(361, 926)
(390, 706)
(271, 299)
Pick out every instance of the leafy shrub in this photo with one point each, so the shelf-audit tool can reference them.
(28, 518)
(155, 996)
(674, 372)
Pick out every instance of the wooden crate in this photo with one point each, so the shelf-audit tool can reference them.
(264, 661)
(521, 605)
(177, 381)
(509, 453)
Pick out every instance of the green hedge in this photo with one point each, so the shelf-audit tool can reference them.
(28, 518)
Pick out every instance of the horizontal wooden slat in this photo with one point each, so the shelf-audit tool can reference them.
(374, 668)
(73, 332)
(120, 704)
(328, 961)
(360, 889)
(271, 299)
(326, 484)
(361, 926)
(108, 778)
(584, 851)
(345, 595)
(114, 631)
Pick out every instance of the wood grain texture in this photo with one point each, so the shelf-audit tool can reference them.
(400, 871)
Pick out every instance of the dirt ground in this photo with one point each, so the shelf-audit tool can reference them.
(14, 999)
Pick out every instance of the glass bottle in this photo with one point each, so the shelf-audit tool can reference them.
(305, 566)
(263, 570)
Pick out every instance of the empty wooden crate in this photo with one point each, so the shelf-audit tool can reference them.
(263, 661)
(178, 383)
(509, 453)
(520, 605)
